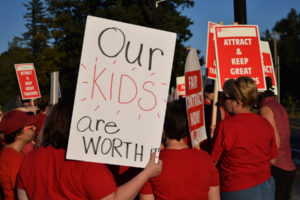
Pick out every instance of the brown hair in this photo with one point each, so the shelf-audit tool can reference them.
(57, 124)
(243, 89)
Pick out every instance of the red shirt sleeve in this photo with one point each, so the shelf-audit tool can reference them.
(98, 181)
(147, 188)
(218, 142)
(19, 183)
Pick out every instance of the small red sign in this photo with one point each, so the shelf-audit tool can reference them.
(27, 81)
(194, 99)
(238, 54)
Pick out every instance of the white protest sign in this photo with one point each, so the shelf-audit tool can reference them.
(194, 98)
(121, 93)
(268, 64)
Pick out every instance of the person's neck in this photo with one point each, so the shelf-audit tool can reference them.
(17, 145)
(175, 144)
(243, 110)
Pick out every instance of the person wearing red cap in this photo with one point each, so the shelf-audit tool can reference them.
(18, 132)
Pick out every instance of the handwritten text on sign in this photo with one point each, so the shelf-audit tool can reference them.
(27, 81)
(121, 93)
(238, 54)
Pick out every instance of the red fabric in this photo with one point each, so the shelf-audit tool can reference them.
(186, 174)
(284, 157)
(45, 174)
(244, 146)
(14, 120)
(40, 120)
(10, 161)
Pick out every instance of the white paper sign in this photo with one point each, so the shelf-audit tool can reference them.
(121, 93)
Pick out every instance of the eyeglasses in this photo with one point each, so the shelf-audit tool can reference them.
(224, 98)
(28, 127)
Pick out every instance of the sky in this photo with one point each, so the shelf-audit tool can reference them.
(264, 13)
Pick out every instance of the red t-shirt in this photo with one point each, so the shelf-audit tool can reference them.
(45, 174)
(186, 174)
(10, 161)
(284, 158)
(244, 146)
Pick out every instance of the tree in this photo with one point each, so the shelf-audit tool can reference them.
(37, 39)
(37, 35)
(68, 22)
(288, 51)
(8, 79)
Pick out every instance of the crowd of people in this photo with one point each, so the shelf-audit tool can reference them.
(246, 156)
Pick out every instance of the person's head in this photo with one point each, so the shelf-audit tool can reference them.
(56, 128)
(269, 92)
(176, 125)
(17, 126)
(242, 91)
(43, 104)
(209, 92)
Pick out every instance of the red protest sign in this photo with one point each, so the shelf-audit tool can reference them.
(210, 52)
(268, 64)
(194, 98)
(27, 81)
(238, 54)
(180, 86)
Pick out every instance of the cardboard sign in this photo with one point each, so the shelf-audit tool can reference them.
(28, 83)
(210, 52)
(238, 54)
(268, 64)
(121, 94)
(194, 98)
(180, 86)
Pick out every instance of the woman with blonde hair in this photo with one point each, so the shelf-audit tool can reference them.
(244, 145)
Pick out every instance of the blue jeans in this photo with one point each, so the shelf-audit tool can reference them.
(263, 191)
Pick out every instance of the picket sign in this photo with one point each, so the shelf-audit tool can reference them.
(180, 82)
(121, 93)
(210, 52)
(194, 98)
(238, 54)
(268, 64)
(28, 82)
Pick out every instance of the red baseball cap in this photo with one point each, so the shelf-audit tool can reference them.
(14, 120)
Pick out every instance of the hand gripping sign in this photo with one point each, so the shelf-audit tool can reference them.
(268, 64)
(28, 83)
(194, 98)
(238, 54)
(121, 93)
(210, 52)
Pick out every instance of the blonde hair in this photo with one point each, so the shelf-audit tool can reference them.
(243, 89)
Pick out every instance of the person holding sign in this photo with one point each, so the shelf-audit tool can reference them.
(187, 173)
(284, 170)
(244, 146)
(46, 174)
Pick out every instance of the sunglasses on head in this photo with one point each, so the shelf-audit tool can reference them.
(27, 127)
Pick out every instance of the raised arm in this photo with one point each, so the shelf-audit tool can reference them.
(130, 189)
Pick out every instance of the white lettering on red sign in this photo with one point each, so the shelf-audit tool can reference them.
(245, 41)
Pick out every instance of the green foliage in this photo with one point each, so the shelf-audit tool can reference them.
(8, 80)
(55, 31)
(291, 102)
(288, 51)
